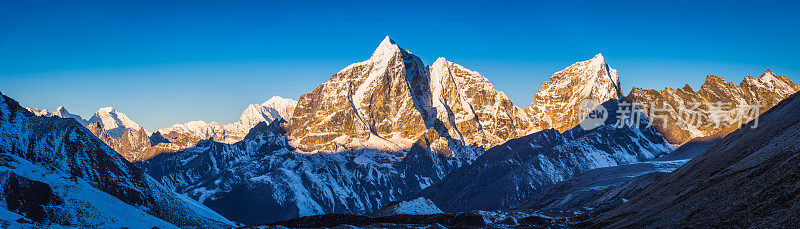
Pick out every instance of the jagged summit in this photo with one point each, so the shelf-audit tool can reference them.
(768, 72)
(114, 123)
(555, 104)
(386, 48)
(106, 110)
(766, 90)
(387, 41)
(277, 100)
(599, 57)
(59, 112)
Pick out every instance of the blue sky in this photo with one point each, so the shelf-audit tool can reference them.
(166, 62)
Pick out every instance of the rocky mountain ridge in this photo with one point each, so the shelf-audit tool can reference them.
(719, 107)
(557, 103)
(363, 105)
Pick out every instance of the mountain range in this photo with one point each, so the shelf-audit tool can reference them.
(391, 135)
(57, 172)
(134, 143)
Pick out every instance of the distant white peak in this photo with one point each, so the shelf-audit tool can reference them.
(277, 101)
(40, 112)
(195, 123)
(191, 126)
(61, 111)
(116, 122)
(106, 110)
(255, 113)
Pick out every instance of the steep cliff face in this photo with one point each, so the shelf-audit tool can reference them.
(391, 100)
(719, 107)
(470, 108)
(557, 103)
(133, 144)
(366, 105)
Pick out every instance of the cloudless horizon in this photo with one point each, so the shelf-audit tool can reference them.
(164, 63)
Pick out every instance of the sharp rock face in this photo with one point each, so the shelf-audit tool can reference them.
(557, 102)
(391, 100)
(715, 94)
(365, 105)
(469, 106)
(55, 172)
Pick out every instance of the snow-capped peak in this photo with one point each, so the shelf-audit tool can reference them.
(768, 75)
(59, 112)
(440, 61)
(387, 48)
(555, 103)
(114, 123)
(772, 82)
(599, 57)
(278, 102)
(275, 108)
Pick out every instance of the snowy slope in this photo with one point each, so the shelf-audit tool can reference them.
(61, 148)
(418, 206)
(72, 201)
(600, 188)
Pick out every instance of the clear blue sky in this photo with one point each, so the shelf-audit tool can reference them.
(166, 62)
